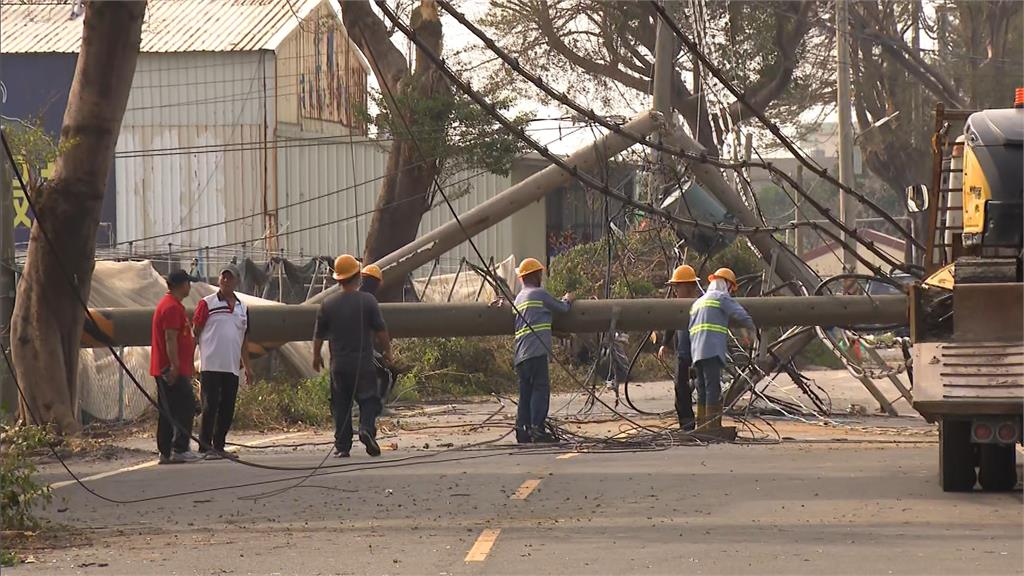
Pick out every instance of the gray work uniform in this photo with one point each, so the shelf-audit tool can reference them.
(709, 340)
(533, 341)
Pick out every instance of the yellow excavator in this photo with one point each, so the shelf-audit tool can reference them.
(967, 316)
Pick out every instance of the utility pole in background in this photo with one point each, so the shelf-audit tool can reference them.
(664, 73)
(796, 211)
(8, 391)
(845, 125)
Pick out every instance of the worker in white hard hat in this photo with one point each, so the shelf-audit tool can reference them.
(684, 285)
(709, 332)
(534, 307)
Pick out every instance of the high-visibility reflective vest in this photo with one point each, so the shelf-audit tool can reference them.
(533, 322)
(709, 324)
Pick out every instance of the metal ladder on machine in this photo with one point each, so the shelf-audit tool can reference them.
(944, 243)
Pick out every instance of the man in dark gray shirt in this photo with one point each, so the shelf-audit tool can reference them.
(351, 322)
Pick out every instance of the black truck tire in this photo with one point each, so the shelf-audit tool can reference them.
(997, 470)
(956, 456)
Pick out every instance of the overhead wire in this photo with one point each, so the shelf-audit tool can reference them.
(317, 470)
(770, 125)
(597, 185)
(396, 21)
(310, 199)
(618, 130)
(583, 177)
(436, 183)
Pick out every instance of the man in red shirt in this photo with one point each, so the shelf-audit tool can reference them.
(171, 357)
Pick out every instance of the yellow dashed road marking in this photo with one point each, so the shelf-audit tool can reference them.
(482, 547)
(525, 489)
(567, 456)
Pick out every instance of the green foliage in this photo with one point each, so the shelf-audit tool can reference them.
(454, 367)
(273, 404)
(452, 128)
(639, 266)
(817, 354)
(21, 491)
(738, 256)
(8, 558)
(32, 146)
(639, 270)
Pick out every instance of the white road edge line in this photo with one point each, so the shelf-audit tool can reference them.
(63, 483)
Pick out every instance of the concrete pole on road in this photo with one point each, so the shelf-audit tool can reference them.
(276, 324)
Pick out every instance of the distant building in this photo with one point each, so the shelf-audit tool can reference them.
(827, 260)
(238, 108)
(221, 89)
(822, 146)
(570, 215)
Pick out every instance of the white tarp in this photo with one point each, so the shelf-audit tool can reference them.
(107, 393)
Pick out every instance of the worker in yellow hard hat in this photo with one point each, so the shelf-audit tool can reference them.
(386, 374)
(533, 314)
(684, 285)
(351, 322)
(709, 331)
(372, 278)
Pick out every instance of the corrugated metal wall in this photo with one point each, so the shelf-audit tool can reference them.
(327, 193)
(190, 161)
(176, 192)
(201, 89)
(190, 152)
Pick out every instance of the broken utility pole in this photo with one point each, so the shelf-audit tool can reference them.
(423, 250)
(277, 324)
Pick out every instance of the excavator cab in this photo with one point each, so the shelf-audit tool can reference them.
(967, 317)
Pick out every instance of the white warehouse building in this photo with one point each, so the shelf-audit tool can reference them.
(241, 112)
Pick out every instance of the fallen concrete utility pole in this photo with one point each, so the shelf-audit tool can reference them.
(272, 325)
(400, 263)
(788, 266)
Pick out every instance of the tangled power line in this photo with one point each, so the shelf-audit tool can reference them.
(633, 435)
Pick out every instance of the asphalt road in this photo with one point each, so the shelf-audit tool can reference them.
(853, 501)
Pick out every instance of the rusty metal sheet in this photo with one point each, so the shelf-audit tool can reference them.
(987, 370)
(988, 313)
(169, 26)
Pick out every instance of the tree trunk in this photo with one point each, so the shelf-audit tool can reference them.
(405, 194)
(48, 315)
(401, 203)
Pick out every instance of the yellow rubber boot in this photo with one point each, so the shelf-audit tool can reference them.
(714, 416)
(702, 417)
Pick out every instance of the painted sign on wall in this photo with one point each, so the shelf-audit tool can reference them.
(331, 81)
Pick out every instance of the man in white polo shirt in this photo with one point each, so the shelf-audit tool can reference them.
(221, 324)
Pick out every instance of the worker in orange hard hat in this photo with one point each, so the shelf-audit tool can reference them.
(709, 331)
(684, 285)
(372, 278)
(351, 322)
(533, 313)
